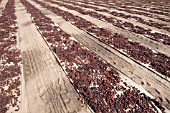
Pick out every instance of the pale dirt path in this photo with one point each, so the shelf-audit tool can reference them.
(154, 45)
(141, 16)
(2, 5)
(45, 87)
(157, 86)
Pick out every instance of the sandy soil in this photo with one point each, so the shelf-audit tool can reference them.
(45, 87)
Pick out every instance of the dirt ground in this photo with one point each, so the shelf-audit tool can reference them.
(45, 87)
